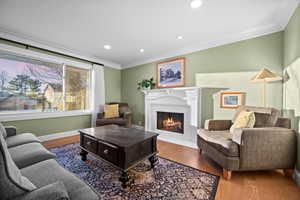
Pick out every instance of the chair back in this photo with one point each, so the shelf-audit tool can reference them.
(123, 107)
(264, 117)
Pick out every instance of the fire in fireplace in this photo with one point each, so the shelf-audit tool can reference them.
(169, 121)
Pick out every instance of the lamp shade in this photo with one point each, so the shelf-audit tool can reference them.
(265, 75)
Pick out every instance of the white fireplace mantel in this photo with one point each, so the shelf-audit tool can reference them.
(186, 100)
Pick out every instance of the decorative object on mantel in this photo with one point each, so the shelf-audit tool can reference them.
(171, 73)
(146, 84)
(232, 99)
(265, 76)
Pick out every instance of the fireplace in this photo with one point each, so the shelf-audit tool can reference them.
(169, 121)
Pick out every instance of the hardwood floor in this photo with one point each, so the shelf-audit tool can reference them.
(266, 185)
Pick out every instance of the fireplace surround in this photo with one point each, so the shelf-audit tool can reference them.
(179, 108)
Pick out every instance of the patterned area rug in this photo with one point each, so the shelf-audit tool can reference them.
(168, 180)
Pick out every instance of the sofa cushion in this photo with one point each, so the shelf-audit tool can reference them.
(28, 154)
(12, 183)
(3, 131)
(49, 171)
(221, 140)
(262, 120)
(20, 139)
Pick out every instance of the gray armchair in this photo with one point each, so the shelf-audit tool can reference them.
(271, 144)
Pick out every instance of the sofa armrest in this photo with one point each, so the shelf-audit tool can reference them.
(266, 148)
(11, 131)
(54, 191)
(217, 125)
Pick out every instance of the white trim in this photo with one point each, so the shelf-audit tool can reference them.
(182, 143)
(98, 92)
(55, 136)
(138, 126)
(43, 57)
(248, 34)
(296, 177)
(18, 37)
(16, 116)
(171, 140)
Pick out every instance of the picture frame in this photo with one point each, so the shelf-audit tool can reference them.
(171, 73)
(232, 100)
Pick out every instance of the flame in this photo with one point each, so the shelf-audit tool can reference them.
(170, 122)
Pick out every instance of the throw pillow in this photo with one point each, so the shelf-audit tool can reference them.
(244, 120)
(3, 131)
(111, 111)
(261, 120)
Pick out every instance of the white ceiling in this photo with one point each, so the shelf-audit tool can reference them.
(83, 27)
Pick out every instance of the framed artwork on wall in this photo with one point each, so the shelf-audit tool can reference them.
(171, 73)
(232, 99)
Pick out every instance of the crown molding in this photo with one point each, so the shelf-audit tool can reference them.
(199, 46)
(14, 36)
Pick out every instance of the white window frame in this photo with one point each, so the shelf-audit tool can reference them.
(27, 115)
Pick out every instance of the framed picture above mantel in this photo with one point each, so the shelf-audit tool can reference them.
(171, 73)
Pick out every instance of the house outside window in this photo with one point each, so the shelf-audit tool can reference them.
(30, 85)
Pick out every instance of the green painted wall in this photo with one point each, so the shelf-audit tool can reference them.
(243, 56)
(292, 38)
(112, 79)
(51, 125)
(291, 61)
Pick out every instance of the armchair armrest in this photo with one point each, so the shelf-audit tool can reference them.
(10, 130)
(266, 148)
(127, 115)
(217, 125)
(100, 115)
(54, 191)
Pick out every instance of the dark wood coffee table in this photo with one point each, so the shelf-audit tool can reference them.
(121, 147)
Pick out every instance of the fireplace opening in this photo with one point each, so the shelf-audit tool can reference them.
(169, 121)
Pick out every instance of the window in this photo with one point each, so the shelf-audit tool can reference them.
(32, 85)
(77, 88)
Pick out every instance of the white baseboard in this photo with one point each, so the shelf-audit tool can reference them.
(137, 126)
(58, 135)
(296, 177)
(171, 140)
(179, 142)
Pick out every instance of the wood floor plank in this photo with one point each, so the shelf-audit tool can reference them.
(263, 185)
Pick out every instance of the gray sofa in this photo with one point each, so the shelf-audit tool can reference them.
(271, 144)
(28, 171)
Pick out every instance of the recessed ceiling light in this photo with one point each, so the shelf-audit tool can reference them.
(142, 50)
(196, 3)
(179, 37)
(107, 47)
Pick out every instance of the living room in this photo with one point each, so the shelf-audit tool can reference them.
(173, 99)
